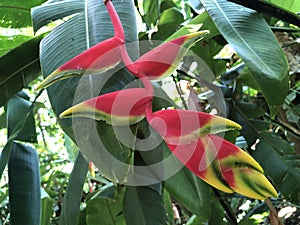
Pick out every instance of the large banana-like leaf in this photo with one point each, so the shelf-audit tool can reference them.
(24, 185)
(19, 67)
(250, 36)
(43, 14)
(90, 25)
(20, 124)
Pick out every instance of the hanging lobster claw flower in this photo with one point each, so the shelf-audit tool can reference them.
(163, 60)
(99, 58)
(224, 166)
(183, 126)
(118, 108)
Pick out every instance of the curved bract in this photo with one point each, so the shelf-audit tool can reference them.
(119, 108)
(188, 134)
(163, 60)
(155, 64)
(224, 166)
(183, 126)
(99, 58)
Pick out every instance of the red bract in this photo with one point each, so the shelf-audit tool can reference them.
(99, 58)
(183, 126)
(163, 60)
(224, 166)
(188, 134)
(122, 107)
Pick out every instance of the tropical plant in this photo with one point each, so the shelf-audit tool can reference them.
(238, 84)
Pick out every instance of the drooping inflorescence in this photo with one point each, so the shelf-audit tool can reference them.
(190, 135)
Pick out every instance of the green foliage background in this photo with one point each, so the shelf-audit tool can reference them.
(260, 89)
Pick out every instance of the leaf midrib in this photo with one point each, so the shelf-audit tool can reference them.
(243, 41)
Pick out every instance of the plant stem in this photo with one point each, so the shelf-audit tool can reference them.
(179, 91)
(230, 215)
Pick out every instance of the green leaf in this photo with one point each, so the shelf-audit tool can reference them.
(202, 21)
(193, 193)
(24, 185)
(249, 109)
(3, 120)
(250, 36)
(283, 173)
(16, 14)
(291, 5)
(17, 108)
(279, 144)
(151, 11)
(168, 207)
(269, 149)
(105, 206)
(217, 217)
(143, 205)
(7, 43)
(47, 210)
(169, 21)
(18, 126)
(71, 148)
(278, 10)
(72, 198)
(207, 50)
(19, 67)
(43, 14)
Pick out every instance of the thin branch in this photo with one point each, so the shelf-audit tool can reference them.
(274, 219)
(179, 91)
(230, 214)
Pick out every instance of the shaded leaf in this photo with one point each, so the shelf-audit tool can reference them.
(47, 210)
(19, 67)
(284, 175)
(193, 193)
(151, 11)
(105, 206)
(16, 129)
(24, 185)
(169, 21)
(45, 13)
(268, 153)
(72, 198)
(17, 108)
(144, 206)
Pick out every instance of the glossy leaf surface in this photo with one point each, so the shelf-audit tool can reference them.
(244, 30)
(24, 182)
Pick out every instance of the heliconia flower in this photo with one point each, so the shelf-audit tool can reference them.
(224, 166)
(183, 126)
(99, 58)
(118, 108)
(163, 60)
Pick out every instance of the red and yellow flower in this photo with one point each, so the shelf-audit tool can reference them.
(190, 135)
